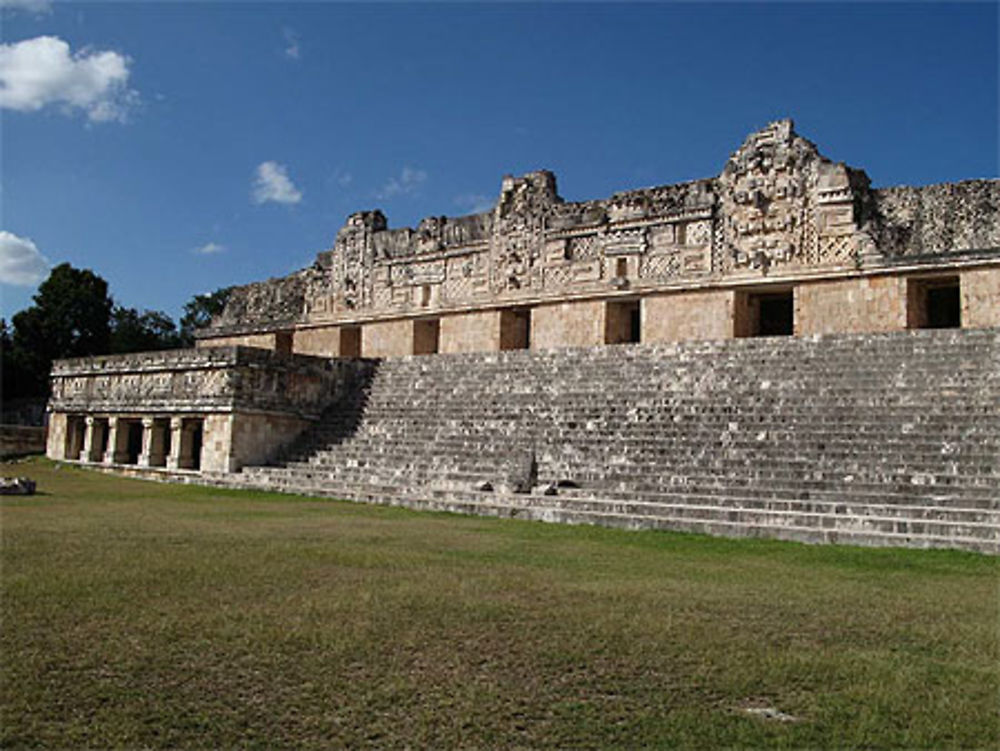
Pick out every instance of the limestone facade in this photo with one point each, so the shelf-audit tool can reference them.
(783, 240)
(209, 409)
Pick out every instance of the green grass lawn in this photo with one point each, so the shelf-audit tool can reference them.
(144, 615)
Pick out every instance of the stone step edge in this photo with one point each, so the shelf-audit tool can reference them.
(537, 500)
(787, 532)
(333, 472)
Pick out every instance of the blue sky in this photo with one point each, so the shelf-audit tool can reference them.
(175, 148)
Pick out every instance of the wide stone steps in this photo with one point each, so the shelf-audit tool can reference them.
(954, 448)
(977, 521)
(950, 498)
(734, 520)
(617, 469)
(876, 439)
(804, 480)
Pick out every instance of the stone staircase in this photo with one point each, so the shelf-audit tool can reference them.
(886, 439)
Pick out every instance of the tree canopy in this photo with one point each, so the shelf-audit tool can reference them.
(200, 310)
(73, 315)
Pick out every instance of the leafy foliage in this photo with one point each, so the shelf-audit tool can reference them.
(70, 317)
(200, 310)
(132, 331)
(73, 315)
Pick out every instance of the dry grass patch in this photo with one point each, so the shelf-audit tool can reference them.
(145, 615)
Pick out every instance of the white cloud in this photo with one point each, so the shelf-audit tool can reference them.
(474, 202)
(38, 72)
(21, 263)
(31, 6)
(209, 249)
(273, 184)
(292, 40)
(409, 181)
(343, 179)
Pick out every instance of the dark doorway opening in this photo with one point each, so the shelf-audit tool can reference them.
(765, 314)
(101, 435)
(133, 441)
(76, 430)
(168, 438)
(426, 336)
(283, 342)
(777, 315)
(515, 329)
(623, 323)
(197, 438)
(934, 303)
(350, 341)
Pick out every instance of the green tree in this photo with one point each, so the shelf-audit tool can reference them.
(70, 317)
(10, 371)
(132, 331)
(200, 310)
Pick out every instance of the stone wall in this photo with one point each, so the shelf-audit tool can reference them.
(321, 342)
(266, 340)
(212, 409)
(778, 210)
(935, 219)
(387, 339)
(687, 316)
(471, 332)
(981, 297)
(16, 440)
(568, 324)
(255, 438)
(201, 379)
(869, 304)
(274, 304)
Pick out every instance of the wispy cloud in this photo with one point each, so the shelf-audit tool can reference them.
(292, 48)
(29, 6)
(21, 263)
(209, 249)
(474, 202)
(409, 181)
(38, 72)
(343, 179)
(272, 184)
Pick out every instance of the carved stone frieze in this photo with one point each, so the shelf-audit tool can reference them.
(777, 207)
(625, 242)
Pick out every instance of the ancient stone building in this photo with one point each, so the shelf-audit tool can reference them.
(783, 241)
(818, 360)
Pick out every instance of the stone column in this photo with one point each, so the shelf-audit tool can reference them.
(152, 443)
(117, 452)
(92, 440)
(174, 460)
(73, 442)
(181, 443)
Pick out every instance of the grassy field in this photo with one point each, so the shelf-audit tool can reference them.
(143, 615)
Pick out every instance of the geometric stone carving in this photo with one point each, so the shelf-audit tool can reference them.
(778, 206)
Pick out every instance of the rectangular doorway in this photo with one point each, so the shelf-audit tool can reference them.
(350, 341)
(515, 329)
(765, 313)
(426, 336)
(622, 322)
(934, 303)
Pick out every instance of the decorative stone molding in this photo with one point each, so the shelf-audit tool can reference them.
(778, 209)
(221, 379)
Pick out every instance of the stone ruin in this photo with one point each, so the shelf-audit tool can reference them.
(785, 312)
(781, 225)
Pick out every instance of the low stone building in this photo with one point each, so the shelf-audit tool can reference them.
(315, 368)
(208, 410)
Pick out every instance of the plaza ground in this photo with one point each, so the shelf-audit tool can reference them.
(138, 615)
